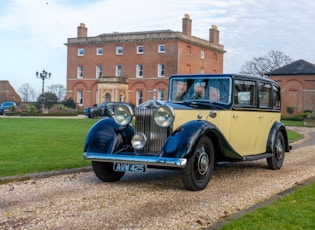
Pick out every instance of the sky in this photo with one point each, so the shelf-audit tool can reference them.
(34, 32)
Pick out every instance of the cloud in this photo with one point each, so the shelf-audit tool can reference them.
(37, 31)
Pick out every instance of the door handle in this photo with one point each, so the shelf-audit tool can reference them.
(235, 116)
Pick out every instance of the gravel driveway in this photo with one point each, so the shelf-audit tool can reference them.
(154, 200)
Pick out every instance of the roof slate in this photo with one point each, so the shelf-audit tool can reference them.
(299, 67)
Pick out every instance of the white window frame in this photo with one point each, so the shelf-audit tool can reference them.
(81, 52)
(140, 49)
(80, 71)
(99, 71)
(118, 70)
(80, 97)
(202, 70)
(202, 54)
(119, 50)
(139, 97)
(162, 48)
(161, 70)
(99, 51)
(139, 70)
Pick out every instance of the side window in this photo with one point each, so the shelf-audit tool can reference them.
(245, 93)
(276, 102)
(265, 95)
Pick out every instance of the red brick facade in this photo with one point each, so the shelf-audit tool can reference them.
(297, 82)
(145, 62)
(7, 92)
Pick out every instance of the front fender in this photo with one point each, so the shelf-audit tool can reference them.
(106, 135)
(182, 140)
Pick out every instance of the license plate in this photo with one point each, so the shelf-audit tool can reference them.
(122, 167)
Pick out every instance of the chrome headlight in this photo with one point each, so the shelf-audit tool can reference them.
(123, 114)
(164, 116)
(138, 141)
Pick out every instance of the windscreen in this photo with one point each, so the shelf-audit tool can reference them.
(209, 89)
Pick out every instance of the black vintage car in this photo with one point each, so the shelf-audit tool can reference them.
(207, 119)
(102, 110)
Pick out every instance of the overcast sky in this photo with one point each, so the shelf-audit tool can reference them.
(33, 32)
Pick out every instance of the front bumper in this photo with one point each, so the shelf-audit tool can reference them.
(135, 159)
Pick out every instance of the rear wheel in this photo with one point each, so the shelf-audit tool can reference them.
(278, 150)
(197, 173)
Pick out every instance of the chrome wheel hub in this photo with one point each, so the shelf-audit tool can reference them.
(203, 161)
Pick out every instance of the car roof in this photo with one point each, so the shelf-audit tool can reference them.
(222, 75)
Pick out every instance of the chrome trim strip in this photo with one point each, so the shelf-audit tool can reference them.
(135, 159)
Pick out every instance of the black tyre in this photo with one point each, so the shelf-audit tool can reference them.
(197, 173)
(275, 162)
(105, 172)
(94, 115)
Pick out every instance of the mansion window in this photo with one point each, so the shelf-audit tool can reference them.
(161, 95)
(80, 97)
(81, 52)
(80, 71)
(139, 98)
(118, 70)
(99, 51)
(99, 71)
(119, 50)
(202, 54)
(140, 49)
(162, 48)
(139, 71)
(161, 70)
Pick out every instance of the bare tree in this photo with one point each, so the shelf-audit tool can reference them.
(27, 93)
(259, 66)
(59, 90)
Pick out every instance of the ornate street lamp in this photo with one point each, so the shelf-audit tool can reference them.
(43, 75)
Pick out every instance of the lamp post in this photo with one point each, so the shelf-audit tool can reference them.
(43, 75)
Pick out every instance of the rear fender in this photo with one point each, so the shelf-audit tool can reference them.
(106, 135)
(277, 127)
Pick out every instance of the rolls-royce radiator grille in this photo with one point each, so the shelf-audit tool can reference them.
(145, 124)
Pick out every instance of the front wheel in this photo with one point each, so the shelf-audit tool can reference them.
(278, 149)
(105, 171)
(197, 173)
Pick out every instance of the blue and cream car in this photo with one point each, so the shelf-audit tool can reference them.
(207, 119)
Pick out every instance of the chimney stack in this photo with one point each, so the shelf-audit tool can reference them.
(187, 25)
(82, 31)
(214, 35)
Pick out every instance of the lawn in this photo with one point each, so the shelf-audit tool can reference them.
(294, 211)
(31, 145)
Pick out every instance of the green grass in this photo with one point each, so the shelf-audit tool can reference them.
(31, 145)
(294, 211)
(293, 135)
(293, 123)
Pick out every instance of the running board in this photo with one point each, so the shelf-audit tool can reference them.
(257, 157)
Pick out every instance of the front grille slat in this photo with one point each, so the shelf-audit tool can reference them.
(145, 124)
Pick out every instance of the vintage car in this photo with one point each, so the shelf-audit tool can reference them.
(207, 119)
(101, 110)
